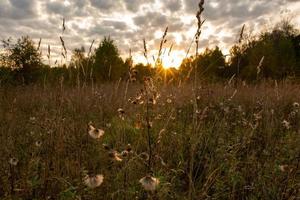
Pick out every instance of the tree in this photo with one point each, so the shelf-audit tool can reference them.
(279, 48)
(23, 57)
(78, 55)
(108, 64)
(210, 64)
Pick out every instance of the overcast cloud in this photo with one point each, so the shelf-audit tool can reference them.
(129, 21)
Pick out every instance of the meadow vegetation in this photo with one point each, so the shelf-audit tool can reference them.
(103, 128)
(245, 144)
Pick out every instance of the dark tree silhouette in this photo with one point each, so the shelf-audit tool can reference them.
(23, 57)
(210, 65)
(108, 65)
(278, 47)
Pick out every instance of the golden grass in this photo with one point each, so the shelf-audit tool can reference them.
(241, 148)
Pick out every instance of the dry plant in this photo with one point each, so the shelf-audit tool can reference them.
(126, 140)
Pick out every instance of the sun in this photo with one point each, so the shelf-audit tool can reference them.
(172, 61)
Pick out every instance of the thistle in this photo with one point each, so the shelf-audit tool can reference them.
(149, 183)
(13, 161)
(93, 181)
(94, 132)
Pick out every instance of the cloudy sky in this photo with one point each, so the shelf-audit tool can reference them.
(129, 21)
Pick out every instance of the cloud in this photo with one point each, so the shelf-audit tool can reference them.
(173, 5)
(70, 9)
(58, 7)
(151, 19)
(106, 5)
(118, 25)
(18, 10)
(135, 5)
(129, 21)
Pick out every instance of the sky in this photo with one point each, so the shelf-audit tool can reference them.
(128, 22)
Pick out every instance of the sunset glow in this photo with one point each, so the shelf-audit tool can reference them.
(128, 22)
(149, 99)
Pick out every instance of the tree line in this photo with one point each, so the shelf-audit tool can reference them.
(273, 54)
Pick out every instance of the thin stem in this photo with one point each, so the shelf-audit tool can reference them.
(148, 132)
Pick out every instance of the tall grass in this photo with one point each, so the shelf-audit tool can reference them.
(128, 140)
(246, 146)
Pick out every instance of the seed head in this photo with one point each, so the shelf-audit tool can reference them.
(129, 148)
(38, 143)
(32, 119)
(124, 153)
(13, 161)
(115, 155)
(121, 111)
(296, 105)
(149, 183)
(283, 168)
(106, 146)
(93, 181)
(169, 100)
(286, 124)
(95, 133)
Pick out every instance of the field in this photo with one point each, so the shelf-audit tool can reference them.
(212, 141)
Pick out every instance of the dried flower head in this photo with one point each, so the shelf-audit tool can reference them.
(286, 124)
(124, 153)
(293, 114)
(93, 181)
(115, 155)
(129, 148)
(106, 146)
(121, 111)
(296, 104)
(95, 133)
(149, 183)
(283, 168)
(13, 161)
(38, 143)
(169, 100)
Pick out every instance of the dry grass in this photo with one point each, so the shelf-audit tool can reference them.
(148, 141)
(241, 150)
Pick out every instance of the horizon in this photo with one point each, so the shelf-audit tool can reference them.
(128, 22)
